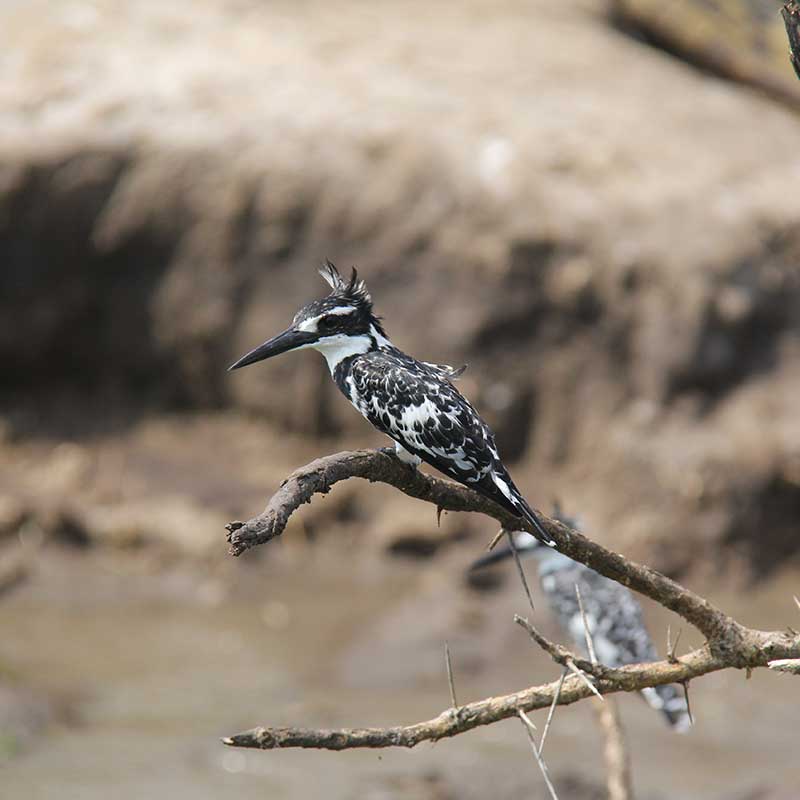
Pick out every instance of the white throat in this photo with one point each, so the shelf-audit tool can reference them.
(337, 348)
(380, 340)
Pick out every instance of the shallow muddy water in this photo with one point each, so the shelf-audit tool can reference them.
(157, 664)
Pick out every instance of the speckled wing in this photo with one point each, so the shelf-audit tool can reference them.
(418, 407)
(613, 614)
(619, 635)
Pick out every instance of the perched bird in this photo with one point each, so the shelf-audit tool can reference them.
(411, 401)
(613, 615)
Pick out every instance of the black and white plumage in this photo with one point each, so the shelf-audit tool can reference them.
(413, 402)
(613, 615)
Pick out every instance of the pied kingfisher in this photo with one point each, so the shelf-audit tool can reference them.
(411, 401)
(612, 612)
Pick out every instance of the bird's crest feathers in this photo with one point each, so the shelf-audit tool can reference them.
(355, 289)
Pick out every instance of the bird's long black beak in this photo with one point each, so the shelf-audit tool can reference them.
(290, 339)
(497, 555)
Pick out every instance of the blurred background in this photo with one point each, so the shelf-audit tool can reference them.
(594, 204)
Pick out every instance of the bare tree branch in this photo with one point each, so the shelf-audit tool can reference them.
(729, 644)
(561, 655)
(493, 709)
(617, 756)
(724, 56)
(537, 753)
(552, 711)
(450, 680)
(383, 466)
(618, 764)
(791, 19)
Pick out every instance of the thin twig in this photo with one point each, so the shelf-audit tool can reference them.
(520, 570)
(552, 710)
(383, 465)
(729, 644)
(685, 685)
(495, 539)
(588, 635)
(618, 767)
(671, 647)
(557, 652)
(632, 678)
(530, 728)
(616, 751)
(560, 654)
(669, 643)
(450, 680)
(797, 601)
(586, 632)
(582, 675)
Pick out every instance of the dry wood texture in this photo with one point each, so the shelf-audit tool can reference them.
(728, 643)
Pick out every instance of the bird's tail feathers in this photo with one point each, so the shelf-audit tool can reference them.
(670, 701)
(539, 532)
(511, 493)
(516, 501)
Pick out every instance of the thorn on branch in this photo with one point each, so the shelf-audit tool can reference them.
(617, 756)
(582, 675)
(537, 752)
(520, 570)
(557, 652)
(497, 537)
(560, 654)
(671, 647)
(685, 685)
(730, 644)
(450, 680)
(384, 467)
(552, 710)
(586, 632)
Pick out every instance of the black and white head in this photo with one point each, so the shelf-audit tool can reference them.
(339, 325)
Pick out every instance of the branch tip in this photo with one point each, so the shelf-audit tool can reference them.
(729, 644)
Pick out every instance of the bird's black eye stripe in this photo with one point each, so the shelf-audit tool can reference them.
(326, 323)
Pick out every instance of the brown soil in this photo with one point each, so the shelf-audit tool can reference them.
(608, 237)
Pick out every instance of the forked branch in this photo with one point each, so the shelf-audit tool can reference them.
(383, 466)
(729, 644)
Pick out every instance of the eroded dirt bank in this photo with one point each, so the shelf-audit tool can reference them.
(596, 230)
(607, 237)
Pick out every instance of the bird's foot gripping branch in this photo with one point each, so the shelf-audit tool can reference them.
(728, 644)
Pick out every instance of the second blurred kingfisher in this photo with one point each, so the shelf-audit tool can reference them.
(411, 401)
(611, 611)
